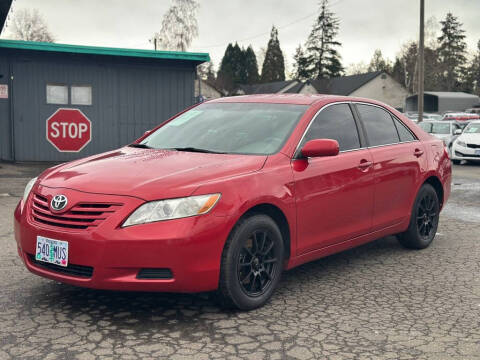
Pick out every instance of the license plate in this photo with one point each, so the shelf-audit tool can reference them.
(477, 152)
(52, 251)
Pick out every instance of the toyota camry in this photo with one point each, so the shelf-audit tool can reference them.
(228, 194)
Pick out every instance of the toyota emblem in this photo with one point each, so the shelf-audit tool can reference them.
(58, 202)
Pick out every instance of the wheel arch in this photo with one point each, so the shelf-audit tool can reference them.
(437, 185)
(280, 219)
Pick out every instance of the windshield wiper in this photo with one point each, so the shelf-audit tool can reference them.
(141, 146)
(194, 149)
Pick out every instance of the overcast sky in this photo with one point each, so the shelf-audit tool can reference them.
(365, 25)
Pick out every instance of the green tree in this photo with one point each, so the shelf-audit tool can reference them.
(324, 59)
(273, 68)
(398, 71)
(452, 49)
(300, 65)
(226, 71)
(251, 67)
(378, 63)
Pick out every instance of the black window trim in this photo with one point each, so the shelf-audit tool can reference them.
(392, 116)
(359, 126)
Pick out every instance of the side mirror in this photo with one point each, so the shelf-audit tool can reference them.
(457, 132)
(320, 147)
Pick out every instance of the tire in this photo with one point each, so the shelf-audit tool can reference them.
(456, 162)
(251, 264)
(424, 220)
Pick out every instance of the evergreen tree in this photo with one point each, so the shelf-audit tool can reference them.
(475, 68)
(378, 63)
(300, 65)
(471, 75)
(323, 58)
(398, 71)
(238, 66)
(226, 71)
(251, 67)
(273, 68)
(451, 51)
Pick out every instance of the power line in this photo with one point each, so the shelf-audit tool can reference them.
(266, 32)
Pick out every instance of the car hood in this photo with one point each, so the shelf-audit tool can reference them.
(470, 138)
(147, 173)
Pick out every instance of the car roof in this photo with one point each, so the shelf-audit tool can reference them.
(298, 99)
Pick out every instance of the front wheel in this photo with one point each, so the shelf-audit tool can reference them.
(252, 262)
(424, 220)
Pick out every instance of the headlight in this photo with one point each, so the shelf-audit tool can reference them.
(28, 188)
(172, 209)
(461, 143)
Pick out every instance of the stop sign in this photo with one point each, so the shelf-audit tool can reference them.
(69, 130)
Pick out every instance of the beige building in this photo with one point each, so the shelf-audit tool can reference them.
(375, 85)
(207, 91)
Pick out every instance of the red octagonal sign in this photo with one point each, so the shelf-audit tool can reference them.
(69, 130)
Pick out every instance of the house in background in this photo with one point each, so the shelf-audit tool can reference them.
(441, 101)
(374, 85)
(204, 90)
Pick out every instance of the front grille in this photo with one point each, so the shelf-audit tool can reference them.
(473, 146)
(80, 216)
(153, 274)
(71, 269)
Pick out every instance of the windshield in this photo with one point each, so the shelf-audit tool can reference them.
(440, 128)
(472, 129)
(233, 128)
(426, 126)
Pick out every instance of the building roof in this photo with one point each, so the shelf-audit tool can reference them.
(450, 94)
(265, 88)
(343, 85)
(96, 50)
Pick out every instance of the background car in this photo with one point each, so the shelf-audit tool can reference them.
(467, 145)
(444, 130)
(461, 116)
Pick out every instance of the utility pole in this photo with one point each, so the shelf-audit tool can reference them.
(421, 61)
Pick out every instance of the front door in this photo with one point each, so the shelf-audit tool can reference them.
(334, 195)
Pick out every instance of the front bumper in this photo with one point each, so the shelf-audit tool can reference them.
(190, 248)
(465, 153)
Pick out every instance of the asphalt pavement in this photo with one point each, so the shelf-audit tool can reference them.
(378, 301)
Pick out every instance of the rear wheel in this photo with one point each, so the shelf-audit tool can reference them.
(252, 262)
(424, 219)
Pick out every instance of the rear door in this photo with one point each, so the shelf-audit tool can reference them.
(334, 195)
(399, 159)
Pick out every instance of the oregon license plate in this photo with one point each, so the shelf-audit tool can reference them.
(52, 251)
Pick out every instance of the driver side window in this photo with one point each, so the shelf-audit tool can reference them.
(335, 122)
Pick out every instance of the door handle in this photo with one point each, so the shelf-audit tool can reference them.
(364, 164)
(418, 152)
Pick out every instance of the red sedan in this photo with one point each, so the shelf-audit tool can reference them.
(228, 194)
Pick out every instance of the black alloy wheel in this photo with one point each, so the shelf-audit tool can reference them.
(256, 263)
(423, 221)
(251, 264)
(426, 215)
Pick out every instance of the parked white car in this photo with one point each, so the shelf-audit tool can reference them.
(443, 130)
(467, 145)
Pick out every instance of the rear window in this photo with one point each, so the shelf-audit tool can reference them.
(379, 125)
